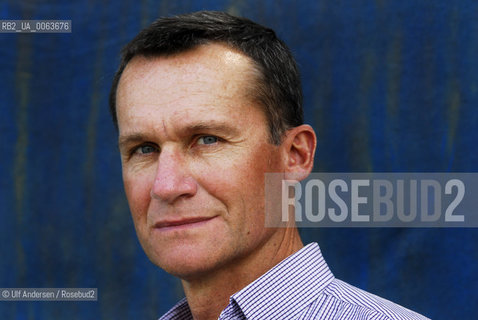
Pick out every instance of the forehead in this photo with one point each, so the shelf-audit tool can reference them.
(211, 78)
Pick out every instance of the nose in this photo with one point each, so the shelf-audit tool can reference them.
(172, 180)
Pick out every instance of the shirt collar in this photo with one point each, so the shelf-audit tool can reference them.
(180, 311)
(281, 293)
(288, 288)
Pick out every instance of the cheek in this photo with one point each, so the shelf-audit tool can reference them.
(238, 182)
(230, 183)
(138, 193)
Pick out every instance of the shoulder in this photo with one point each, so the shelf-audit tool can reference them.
(352, 302)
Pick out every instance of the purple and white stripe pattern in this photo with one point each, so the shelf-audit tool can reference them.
(302, 287)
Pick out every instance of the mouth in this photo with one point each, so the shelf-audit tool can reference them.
(182, 223)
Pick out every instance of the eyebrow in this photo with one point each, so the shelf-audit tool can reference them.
(132, 138)
(197, 127)
(210, 126)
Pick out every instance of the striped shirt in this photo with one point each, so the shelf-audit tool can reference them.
(302, 287)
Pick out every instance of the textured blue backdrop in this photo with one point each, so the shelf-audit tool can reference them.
(389, 86)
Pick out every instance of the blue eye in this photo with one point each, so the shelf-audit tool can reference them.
(207, 140)
(145, 149)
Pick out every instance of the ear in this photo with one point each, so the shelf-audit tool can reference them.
(298, 148)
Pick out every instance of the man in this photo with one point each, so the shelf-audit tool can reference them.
(205, 105)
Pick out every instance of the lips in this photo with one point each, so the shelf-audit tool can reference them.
(181, 222)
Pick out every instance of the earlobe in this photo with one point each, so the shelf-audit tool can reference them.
(299, 147)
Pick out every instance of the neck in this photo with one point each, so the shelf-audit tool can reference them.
(209, 294)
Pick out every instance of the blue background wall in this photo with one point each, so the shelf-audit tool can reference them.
(389, 86)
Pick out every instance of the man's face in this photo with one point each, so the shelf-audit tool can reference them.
(194, 151)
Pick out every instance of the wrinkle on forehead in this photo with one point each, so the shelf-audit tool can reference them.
(184, 83)
(229, 61)
(165, 131)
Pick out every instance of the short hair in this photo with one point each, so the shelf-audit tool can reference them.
(277, 88)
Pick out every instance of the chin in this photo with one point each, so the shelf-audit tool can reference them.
(186, 269)
(185, 263)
